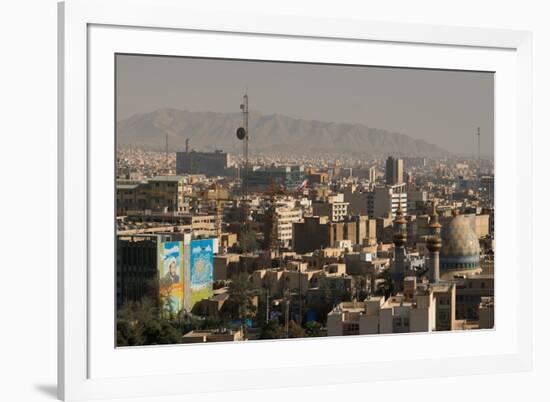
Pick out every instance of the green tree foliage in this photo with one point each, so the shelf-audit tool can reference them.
(272, 330)
(313, 329)
(328, 298)
(241, 294)
(249, 241)
(214, 323)
(126, 334)
(160, 332)
(139, 323)
(385, 288)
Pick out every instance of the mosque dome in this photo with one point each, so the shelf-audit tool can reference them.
(460, 246)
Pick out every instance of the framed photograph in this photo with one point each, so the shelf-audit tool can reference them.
(254, 201)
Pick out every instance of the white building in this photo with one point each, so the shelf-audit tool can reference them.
(334, 207)
(412, 311)
(285, 218)
(384, 200)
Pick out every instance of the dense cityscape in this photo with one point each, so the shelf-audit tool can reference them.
(217, 246)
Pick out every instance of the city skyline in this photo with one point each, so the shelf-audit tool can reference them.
(441, 107)
(232, 226)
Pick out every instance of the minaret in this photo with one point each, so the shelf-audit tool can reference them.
(399, 240)
(434, 245)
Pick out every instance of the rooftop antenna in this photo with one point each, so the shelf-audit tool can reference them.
(242, 134)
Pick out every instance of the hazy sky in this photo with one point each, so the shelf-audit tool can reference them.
(442, 107)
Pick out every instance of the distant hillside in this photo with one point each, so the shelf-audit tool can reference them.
(268, 133)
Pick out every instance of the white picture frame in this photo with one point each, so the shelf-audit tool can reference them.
(90, 32)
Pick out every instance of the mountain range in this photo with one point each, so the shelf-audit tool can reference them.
(273, 133)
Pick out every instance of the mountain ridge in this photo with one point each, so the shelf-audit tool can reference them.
(269, 133)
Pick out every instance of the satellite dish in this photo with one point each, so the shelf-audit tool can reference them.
(241, 133)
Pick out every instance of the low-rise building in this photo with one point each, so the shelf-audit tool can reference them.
(201, 336)
(486, 313)
(412, 311)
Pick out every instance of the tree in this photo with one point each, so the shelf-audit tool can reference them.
(126, 335)
(241, 294)
(272, 330)
(386, 287)
(248, 241)
(295, 330)
(160, 332)
(313, 329)
(139, 323)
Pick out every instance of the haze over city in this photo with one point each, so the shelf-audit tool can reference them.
(443, 108)
(321, 201)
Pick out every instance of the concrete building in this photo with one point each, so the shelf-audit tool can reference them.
(486, 313)
(285, 218)
(394, 171)
(412, 311)
(227, 240)
(207, 163)
(357, 202)
(200, 336)
(203, 225)
(167, 194)
(384, 200)
(372, 174)
(160, 193)
(312, 234)
(445, 297)
(384, 230)
(137, 265)
(225, 266)
(470, 292)
(131, 197)
(416, 201)
(318, 232)
(335, 210)
(289, 177)
(317, 178)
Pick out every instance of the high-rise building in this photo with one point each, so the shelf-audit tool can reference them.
(372, 174)
(289, 177)
(383, 201)
(394, 171)
(335, 208)
(207, 163)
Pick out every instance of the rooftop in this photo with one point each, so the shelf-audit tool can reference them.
(175, 178)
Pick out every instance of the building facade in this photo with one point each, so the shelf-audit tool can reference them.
(394, 171)
(207, 163)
